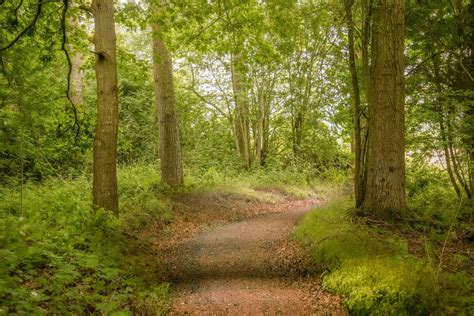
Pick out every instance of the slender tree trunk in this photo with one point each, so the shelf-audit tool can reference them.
(367, 9)
(241, 111)
(105, 142)
(260, 125)
(263, 119)
(76, 88)
(77, 96)
(442, 129)
(454, 157)
(266, 130)
(385, 195)
(470, 106)
(298, 133)
(357, 139)
(447, 156)
(76, 92)
(170, 148)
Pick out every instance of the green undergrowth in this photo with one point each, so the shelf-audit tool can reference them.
(59, 257)
(370, 267)
(444, 221)
(294, 181)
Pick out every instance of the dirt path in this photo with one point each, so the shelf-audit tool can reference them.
(249, 267)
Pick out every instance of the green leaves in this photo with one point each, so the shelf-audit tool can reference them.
(62, 258)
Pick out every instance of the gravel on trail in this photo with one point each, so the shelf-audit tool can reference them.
(235, 256)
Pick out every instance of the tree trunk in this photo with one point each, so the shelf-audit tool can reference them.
(454, 156)
(260, 124)
(444, 138)
(264, 101)
(385, 195)
(170, 148)
(357, 140)
(241, 111)
(447, 156)
(105, 142)
(469, 120)
(77, 96)
(298, 133)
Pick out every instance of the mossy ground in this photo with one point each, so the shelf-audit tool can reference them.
(372, 266)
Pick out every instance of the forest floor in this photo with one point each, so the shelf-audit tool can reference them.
(232, 254)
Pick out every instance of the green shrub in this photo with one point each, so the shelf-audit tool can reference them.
(431, 194)
(142, 197)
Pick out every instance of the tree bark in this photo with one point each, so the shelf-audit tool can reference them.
(76, 93)
(298, 132)
(385, 195)
(264, 101)
(170, 148)
(447, 156)
(241, 111)
(77, 96)
(469, 120)
(358, 162)
(260, 124)
(442, 128)
(454, 156)
(105, 143)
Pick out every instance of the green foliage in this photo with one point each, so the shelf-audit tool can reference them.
(293, 177)
(59, 257)
(431, 196)
(142, 196)
(369, 267)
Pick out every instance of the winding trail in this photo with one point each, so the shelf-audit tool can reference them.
(249, 267)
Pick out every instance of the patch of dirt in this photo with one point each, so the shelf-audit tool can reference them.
(232, 255)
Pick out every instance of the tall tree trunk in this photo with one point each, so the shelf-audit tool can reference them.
(241, 111)
(105, 142)
(469, 120)
(385, 195)
(298, 132)
(264, 101)
(76, 93)
(447, 156)
(260, 124)
(358, 162)
(457, 168)
(170, 148)
(77, 96)
(367, 8)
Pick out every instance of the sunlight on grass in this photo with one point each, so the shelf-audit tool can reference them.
(369, 267)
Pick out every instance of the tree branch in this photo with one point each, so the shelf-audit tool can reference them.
(39, 7)
(68, 58)
(202, 98)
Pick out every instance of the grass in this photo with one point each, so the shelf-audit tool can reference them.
(370, 267)
(257, 184)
